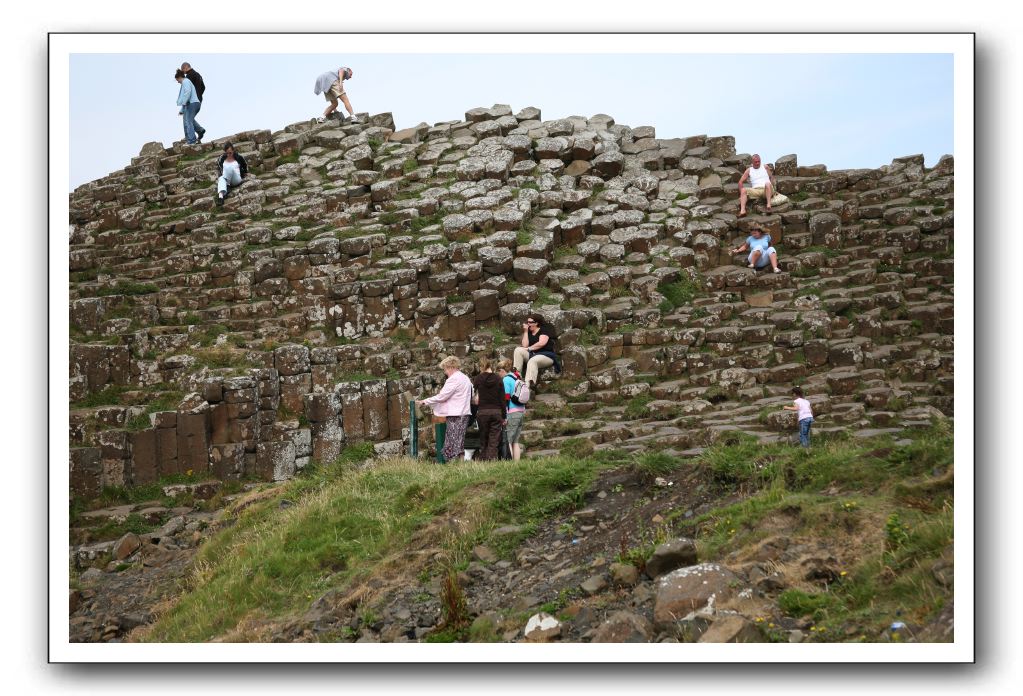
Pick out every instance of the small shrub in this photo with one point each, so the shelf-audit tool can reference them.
(798, 603)
(677, 294)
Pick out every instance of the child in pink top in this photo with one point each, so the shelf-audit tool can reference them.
(804, 414)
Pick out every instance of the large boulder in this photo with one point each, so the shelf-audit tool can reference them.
(685, 590)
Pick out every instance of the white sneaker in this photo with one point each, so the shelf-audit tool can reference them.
(320, 119)
(353, 119)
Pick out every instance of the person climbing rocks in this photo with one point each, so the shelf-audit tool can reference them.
(492, 411)
(516, 411)
(761, 251)
(232, 169)
(196, 79)
(188, 107)
(452, 402)
(761, 184)
(538, 350)
(804, 414)
(331, 85)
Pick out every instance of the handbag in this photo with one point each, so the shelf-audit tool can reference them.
(503, 449)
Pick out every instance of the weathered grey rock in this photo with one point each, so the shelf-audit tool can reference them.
(624, 574)
(91, 576)
(670, 555)
(731, 629)
(126, 546)
(594, 584)
(484, 554)
(291, 359)
(530, 271)
(609, 164)
(685, 590)
(496, 260)
(624, 627)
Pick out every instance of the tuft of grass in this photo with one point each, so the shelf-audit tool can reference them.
(677, 294)
(655, 463)
(636, 408)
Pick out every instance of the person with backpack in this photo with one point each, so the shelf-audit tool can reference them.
(514, 389)
(232, 169)
(188, 107)
(492, 410)
(538, 350)
(331, 85)
(200, 87)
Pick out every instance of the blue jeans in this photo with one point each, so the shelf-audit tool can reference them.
(188, 116)
(804, 431)
(199, 130)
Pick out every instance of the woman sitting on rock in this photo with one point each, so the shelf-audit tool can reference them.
(453, 402)
(232, 170)
(538, 349)
(761, 250)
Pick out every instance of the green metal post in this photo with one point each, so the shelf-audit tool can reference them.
(438, 430)
(413, 429)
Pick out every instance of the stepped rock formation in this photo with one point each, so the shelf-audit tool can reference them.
(305, 313)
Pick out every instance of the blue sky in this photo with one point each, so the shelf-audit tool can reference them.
(842, 110)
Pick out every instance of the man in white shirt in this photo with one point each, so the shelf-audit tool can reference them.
(761, 184)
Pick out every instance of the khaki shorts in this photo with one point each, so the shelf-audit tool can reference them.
(336, 91)
(514, 427)
(755, 193)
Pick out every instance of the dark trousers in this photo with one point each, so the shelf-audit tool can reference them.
(490, 424)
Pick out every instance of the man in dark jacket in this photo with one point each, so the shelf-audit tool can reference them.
(196, 80)
(232, 169)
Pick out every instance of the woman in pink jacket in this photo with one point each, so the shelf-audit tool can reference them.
(453, 402)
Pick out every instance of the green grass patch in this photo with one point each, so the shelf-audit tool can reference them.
(636, 408)
(108, 396)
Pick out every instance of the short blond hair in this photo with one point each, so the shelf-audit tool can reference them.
(504, 364)
(450, 361)
(486, 364)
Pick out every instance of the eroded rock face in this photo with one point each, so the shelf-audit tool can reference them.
(360, 254)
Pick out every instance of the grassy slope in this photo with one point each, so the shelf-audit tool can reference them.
(341, 525)
(890, 506)
(345, 523)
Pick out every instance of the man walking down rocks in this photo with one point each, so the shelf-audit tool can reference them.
(761, 184)
(188, 107)
(331, 85)
(196, 79)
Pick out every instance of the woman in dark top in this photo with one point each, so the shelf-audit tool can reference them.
(538, 349)
(492, 410)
